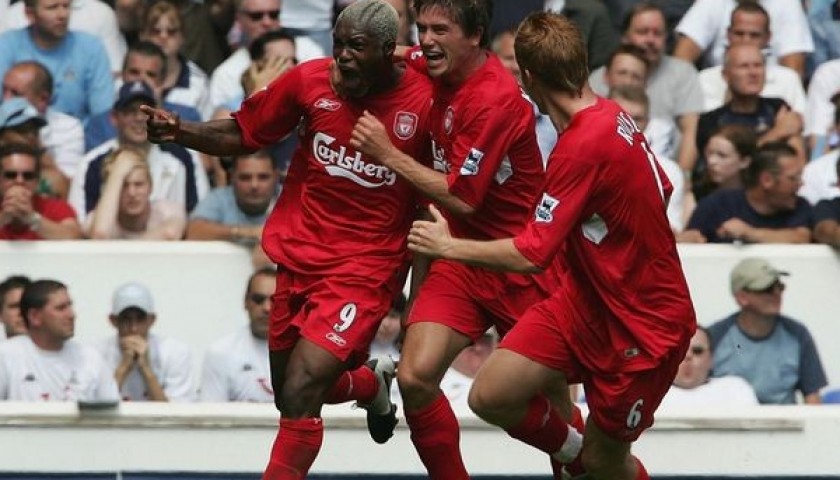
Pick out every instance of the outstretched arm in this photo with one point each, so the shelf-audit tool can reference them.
(215, 137)
(433, 239)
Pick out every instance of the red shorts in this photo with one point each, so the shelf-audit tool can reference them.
(339, 313)
(470, 300)
(622, 404)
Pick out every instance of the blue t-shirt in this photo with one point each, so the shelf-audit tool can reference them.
(776, 366)
(82, 81)
(718, 207)
(219, 206)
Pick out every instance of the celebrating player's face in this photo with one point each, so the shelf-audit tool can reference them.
(444, 42)
(360, 58)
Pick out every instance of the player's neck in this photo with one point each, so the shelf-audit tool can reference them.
(562, 106)
(468, 66)
(46, 342)
(388, 80)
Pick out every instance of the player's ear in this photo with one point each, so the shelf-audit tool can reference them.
(388, 50)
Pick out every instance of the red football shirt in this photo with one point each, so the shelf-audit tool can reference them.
(51, 208)
(484, 139)
(604, 210)
(340, 212)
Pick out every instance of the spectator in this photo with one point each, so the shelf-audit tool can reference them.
(237, 212)
(824, 20)
(673, 87)
(177, 174)
(827, 216)
(207, 25)
(235, 367)
(750, 25)
(774, 353)
(628, 66)
(48, 365)
(728, 153)
(766, 210)
(407, 35)
(386, 342)
(62, 136)
(819, 178)
(21, 123)
(26, 215)
(125, 209)
(145, 365)
(185, 83)
(822, 110)
(703, 32)
(91, 16)
(145, 62)
(771, 118)
(312, 19)
(591, 18)
(11, 290)
(77, 60)
(255, 17)
(634, 101)
(693, 387)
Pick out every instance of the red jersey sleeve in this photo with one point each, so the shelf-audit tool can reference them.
(559, 210)
(482, 141)
(271, 113)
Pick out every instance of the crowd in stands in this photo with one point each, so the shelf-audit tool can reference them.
(738, 100)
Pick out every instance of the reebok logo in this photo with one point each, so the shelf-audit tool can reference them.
(339, 163)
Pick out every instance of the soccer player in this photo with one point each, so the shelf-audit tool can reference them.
(338, 231)
(487, 175)
(622, 318)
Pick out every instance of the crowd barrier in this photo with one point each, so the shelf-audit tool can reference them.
(199, 286)
(197, 440)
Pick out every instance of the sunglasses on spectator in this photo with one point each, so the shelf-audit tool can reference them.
(775, 287)
(27, 175)
(258, 298)
(698, 349)
(257, 15)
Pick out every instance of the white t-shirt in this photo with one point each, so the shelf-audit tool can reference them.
(64, 137)
(226, 84)
(236, 369)
(76, 372)
(730, 391)
(781, 82)
(825, 82)
(307, 14)
(819, 179)
(91, 16)
(706, 23)
(171, 363)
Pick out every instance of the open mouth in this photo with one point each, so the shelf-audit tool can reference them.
(434, 56)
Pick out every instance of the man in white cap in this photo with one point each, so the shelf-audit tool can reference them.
(774, 353)
(146, 366)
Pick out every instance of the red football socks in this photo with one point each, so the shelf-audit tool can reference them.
(544, 429)
(295, 448)
(436, 437)
(360, 384)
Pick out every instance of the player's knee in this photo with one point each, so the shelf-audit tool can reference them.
(414, 384)
(301, 394)
(484, 405)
